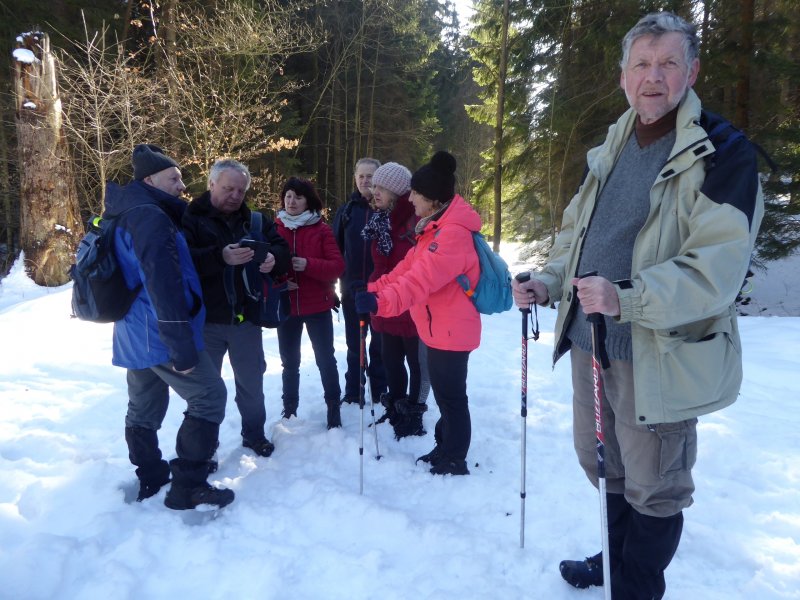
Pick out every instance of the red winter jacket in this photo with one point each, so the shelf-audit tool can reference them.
(424, 282)
(402, 221)
(315, 292)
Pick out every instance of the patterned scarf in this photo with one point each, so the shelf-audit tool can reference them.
(378, 228)
(304, 218)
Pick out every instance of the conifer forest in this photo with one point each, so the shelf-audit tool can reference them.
(518, 94)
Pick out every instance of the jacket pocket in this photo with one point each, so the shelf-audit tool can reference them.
(678, 446)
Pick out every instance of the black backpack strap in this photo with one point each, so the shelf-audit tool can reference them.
(256, 227)
(723, 134)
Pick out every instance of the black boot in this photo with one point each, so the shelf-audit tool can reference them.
(446, 466)
(334, 415)
(262, 447)
(289, 409)
(650, 544)
(588, 572)
(409, 419)
(197, 440)
(143, 451)
(390, 412)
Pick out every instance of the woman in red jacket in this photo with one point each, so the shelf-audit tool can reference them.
(424, 283)
(316, 264)
(391, 229)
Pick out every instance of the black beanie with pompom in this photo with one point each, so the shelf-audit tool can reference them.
(436, 180)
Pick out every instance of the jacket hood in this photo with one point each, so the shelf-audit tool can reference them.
(459, 212)
(120, 198)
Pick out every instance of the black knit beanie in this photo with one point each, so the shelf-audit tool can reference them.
(148, 159)
(436, 180)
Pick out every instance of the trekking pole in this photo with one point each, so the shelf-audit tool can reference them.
(371, 398)
(523, 277)
(362, 377)
(599, 360)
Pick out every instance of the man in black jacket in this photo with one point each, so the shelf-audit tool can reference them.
(213, 224)
(348, 223)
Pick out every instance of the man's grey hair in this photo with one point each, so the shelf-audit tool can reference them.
(658, 24)
(367, 161)
(228, 163)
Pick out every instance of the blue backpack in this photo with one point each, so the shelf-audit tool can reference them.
(99, 291)
(492, 293)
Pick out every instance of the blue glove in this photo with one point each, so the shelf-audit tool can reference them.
(366, 303)
(357, 286)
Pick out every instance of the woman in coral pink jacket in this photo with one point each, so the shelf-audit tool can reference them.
(424, 283)
(316, 264)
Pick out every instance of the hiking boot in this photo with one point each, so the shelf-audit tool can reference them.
(350, 399)
(334, 416)
(149, 488)
(431, 457)
(289, 411)
(181, 498)
(450, 467)
(151, 479)
(262, 447)
(409, 419)
(583, 573)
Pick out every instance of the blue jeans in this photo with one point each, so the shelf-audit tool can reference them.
(320, 332)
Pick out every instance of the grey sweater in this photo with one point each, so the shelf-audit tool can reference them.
(621, 210)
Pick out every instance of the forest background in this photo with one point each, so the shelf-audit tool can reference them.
(518, 95)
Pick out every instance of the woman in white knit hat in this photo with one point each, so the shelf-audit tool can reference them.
(391, 229)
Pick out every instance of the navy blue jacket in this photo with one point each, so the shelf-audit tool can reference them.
(165, 322)
(350, 219)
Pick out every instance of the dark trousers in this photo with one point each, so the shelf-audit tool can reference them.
(245, 349)
(396, 351)
(320, 332)
(148, 399)
(448, 374)
(375, 369)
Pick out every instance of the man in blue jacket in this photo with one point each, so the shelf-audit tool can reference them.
(348, 223)
(160, 340)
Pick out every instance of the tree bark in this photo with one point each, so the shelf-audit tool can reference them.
(50, 224)
(747, 13)
(498, 131)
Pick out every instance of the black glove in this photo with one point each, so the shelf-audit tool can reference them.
(366, 303)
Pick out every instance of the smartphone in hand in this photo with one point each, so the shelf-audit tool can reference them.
(260, 248)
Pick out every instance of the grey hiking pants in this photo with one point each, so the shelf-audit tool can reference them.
(244, 346)
(148, 393)
(651, 465)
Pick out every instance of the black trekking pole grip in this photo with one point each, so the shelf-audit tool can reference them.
(522, 278)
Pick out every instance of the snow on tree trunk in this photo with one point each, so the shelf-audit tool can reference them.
(50, 224)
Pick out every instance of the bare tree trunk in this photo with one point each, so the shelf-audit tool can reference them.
(50, 224)
(498, 131)
(5, 192)
(747, 12)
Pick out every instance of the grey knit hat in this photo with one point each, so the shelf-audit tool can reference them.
(148, 159)
(393, 177)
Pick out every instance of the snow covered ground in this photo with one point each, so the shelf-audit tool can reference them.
(299, 529)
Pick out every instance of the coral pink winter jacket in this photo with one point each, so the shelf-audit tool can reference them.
(424, 282)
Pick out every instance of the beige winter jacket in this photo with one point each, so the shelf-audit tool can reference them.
(689, 261)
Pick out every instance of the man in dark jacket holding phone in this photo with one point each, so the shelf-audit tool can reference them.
(216, 226)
